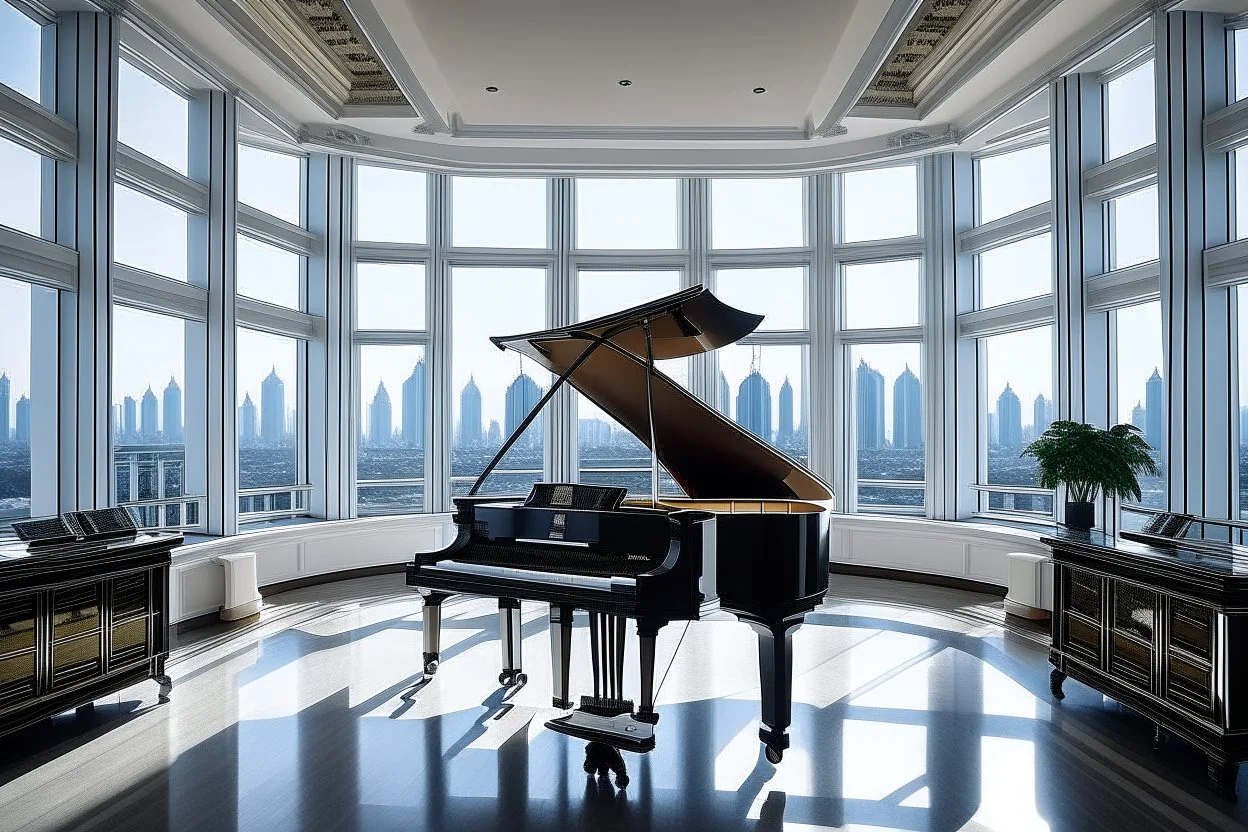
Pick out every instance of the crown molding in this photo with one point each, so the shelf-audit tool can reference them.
(460, 130)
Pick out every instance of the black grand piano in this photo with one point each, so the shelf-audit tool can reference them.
(750, 538)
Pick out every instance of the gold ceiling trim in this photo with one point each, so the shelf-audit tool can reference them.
(930, 26)
(333, 25)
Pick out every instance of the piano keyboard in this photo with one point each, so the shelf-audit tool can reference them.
(613, 584)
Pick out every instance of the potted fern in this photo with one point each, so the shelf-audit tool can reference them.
(1090, 460)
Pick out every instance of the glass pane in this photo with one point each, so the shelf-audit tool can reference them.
(149, 234)
(779, 295)
(1017, 369)
(1241, 293)
(20, 171)
(15, 399)
(1016, 271)
(374, 500)
(1133, 228)
(1240, 163)
(882, 294)
(758, 213)
(393, 413)
(609, 454)
(763, 389)
(881, 204)
(21, 52)
(494, 212)
(1130, 112)
(268, 394)
(493, 390)
(271, 182)
(152, 118)
(268, 273)
(390, 296)
(391, 205)
(628, 213)
(888, 422)
(1241, 64)
(1009, 182)
(1142, 387)
(151, 402)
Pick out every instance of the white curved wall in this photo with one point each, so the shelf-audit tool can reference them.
(971, 551)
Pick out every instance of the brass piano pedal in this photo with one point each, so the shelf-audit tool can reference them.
(605, 706)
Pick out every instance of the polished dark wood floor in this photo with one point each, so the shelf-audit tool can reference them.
(915, 708)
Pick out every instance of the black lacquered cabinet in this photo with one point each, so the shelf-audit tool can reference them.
(1164, 631)
(80, 621)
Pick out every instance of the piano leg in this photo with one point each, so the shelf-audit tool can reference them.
(431, 617)
(647, 632)
(510, 641)
(561, 654)
(775, 671)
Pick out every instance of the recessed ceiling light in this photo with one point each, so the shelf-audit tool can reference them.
(760, 90)
(491, 88)
(626, 83)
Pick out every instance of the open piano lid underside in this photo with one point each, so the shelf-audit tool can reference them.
(706, 453)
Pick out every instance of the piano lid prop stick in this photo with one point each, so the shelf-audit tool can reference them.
(654, 448)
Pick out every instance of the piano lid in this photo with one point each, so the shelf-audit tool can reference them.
(709, 455)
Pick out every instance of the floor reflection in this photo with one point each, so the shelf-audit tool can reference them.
(907, 716)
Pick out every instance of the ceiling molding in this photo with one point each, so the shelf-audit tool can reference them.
(626, 133)
(934, 22)
(895, 21)
(371, 83)
(391, 57)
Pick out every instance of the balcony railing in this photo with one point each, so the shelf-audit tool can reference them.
(1016, 502)
(889, 507)
(167, 513)
(277, 502)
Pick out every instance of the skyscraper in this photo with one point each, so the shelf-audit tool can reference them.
(129, 419)
(380, 417)
(1009, 418)
(754, 405)
(784, 431)
(1041, 414)
(23, 420)
(593, 433)
(522, 396)
(1155, 411)
(272, 409)
(1138, 416)
(907, 410)
(725, 395)
(469, 415)
(414, 407)
(4, 407)
(172, 402)
(247, 421)
(494, 437)
(869, 406)
(149, 409)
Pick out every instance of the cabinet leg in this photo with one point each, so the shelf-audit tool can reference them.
(1055, 684)
(1222, 775)
(166, 687)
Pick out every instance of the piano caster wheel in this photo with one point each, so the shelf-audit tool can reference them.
(431, 667)
(510, 678)
(774, 755)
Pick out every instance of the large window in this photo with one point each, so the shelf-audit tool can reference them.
(628, 213)
(268, 390)
(1130, 111)
(391, 205)
(21, 53)
(20, 171)
(608, 453)
(492, 391)
(763, 389)
(151, 118)
(1140, 367)
(888, 426)
(1015, 271)
(271, 182)
(16, 395)
(394, 413)
(495, 212)
(1241, 295)
(157, 416)
(149, 234)
(1009, 182)
(758, 213)
(1016, 374)
(880, 204)
(1131, 221)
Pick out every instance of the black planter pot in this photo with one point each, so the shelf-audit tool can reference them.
(1080, 515)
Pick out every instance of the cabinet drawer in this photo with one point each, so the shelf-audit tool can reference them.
(1082, 637)
(1083, 593)
(17, 678)
(130, 597)
(1135, 610)
(75, 659)
(1191, 628)
(129, 641)
(1132, 661)
(1190, 686)
(17, 624)
(75, 611)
